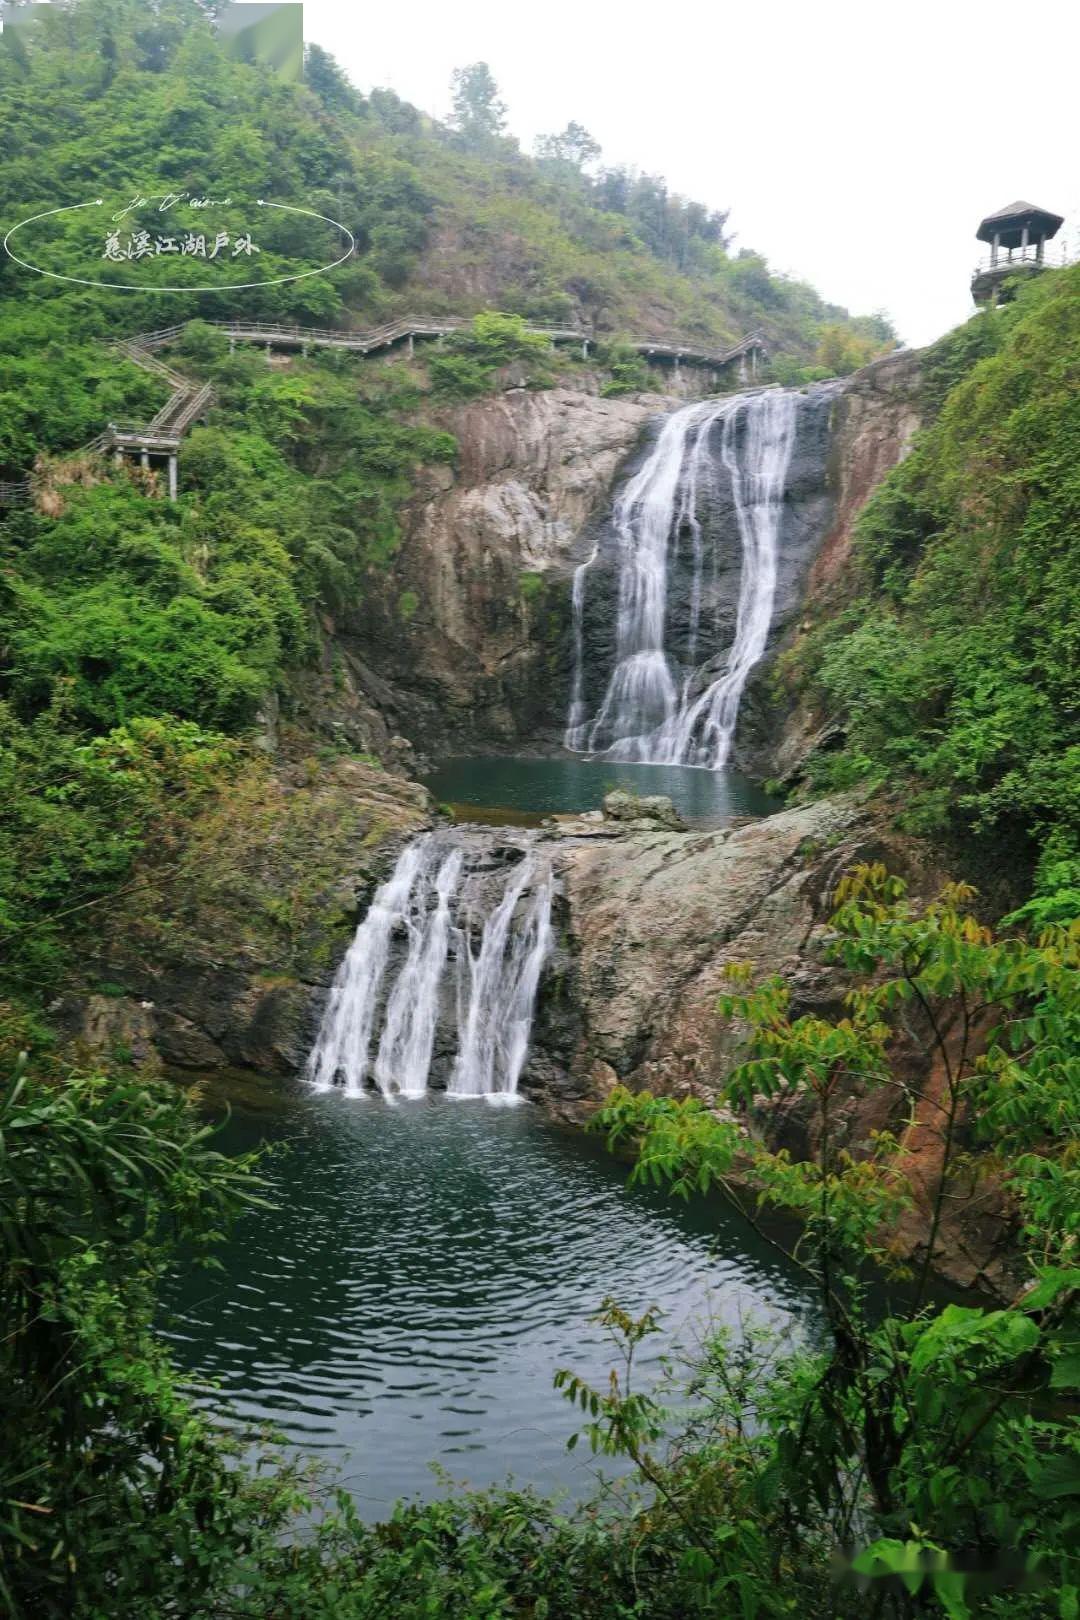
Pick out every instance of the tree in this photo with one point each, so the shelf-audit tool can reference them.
(479, 116)
(323, 76)
(574, 148)
(933, 1444)
(844, 348)
(117, 1496)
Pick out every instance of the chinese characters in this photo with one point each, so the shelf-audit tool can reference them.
(192, 244)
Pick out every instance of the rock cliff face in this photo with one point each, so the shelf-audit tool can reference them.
(230, 962)
(649, 918)
(465, 642)
(220, 957)
(471, 624)
(471, 646)
(875, 417)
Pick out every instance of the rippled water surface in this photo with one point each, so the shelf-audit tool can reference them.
(426, 1270)
(529, 789)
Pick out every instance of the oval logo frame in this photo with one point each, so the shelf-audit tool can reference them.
(227, 287)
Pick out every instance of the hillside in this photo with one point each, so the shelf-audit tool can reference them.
(445, 221)
(118, 609)
(343, 727)
(943, 663)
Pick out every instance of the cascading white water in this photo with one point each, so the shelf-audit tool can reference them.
(497, 990)
(344, 1041)
(647, 715)
(409, 1029)
(375, 991)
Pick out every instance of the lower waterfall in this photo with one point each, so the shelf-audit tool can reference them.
(659, 708)
(437, 950)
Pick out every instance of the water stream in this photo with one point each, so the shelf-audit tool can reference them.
(663, 703)
(442, 928)
(423, 1271)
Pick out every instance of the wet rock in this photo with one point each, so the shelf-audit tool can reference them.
(652, 919)
(650, 809)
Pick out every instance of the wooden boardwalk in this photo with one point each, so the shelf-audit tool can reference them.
(161, 436)
(408, 329)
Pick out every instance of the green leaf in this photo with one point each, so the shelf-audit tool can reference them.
(1066, 1371)
(1058, 1476)
(949, 1591)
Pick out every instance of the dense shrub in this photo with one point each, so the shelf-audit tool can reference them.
(472, 359)
(953, 669)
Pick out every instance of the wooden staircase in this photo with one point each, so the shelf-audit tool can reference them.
(161, 436)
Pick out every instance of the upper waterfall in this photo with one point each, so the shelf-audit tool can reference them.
(667, 704)
(437, 945)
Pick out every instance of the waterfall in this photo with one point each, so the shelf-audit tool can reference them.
(414, 947)
(409, 1029)
(498, 991)
(656, 709)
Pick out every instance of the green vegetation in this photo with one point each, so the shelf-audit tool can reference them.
(76, 811)
(925, 1463)
(117, 1499)
(952, 664)
(472, 360)
(934, 1454)
(628, 371)
(125, 616)
(119, 610)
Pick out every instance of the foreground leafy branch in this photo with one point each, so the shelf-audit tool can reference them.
(933, 1451)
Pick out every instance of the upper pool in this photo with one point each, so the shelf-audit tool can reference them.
(524, 791)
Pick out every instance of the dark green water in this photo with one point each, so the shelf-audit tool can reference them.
(528, 789)
(425, 1271)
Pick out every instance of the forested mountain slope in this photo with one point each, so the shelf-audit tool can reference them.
(112, 95)
(944, 663)
(139, 637)
(189, 834)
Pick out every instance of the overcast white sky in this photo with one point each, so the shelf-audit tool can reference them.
(857, 144)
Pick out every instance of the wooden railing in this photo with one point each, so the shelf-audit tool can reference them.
(1024, 258)
(188, 400)
(435, 326)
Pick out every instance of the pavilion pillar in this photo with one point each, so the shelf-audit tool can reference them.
(172, 477)
(232, 345)
(144, 458)
(411, 342)
(994, 251)
(585, 349)
(269, 352)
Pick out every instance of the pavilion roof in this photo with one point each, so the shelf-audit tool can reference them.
(1014, 216)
